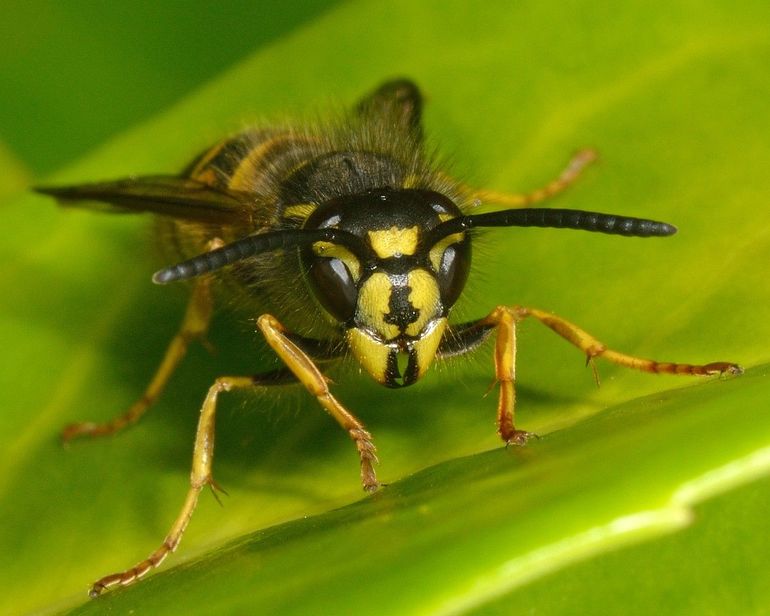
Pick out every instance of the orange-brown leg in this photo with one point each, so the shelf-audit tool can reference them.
(505, 318)
(316, 383)
(194, 326)
(300, 366)
(200, 476)
(594, 348)
(571, 172)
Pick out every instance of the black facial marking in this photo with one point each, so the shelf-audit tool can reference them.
(411, 373)
(381, 208)
(401, 311)
(393, 377)
(392, 373)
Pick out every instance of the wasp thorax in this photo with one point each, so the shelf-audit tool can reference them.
(391, 290)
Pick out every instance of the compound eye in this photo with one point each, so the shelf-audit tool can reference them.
(452, 265)
(334, 286)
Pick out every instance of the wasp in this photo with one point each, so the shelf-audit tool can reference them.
(343, 240)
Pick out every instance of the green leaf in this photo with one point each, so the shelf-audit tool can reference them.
(457, 535)
(675, 99)
(15, 175)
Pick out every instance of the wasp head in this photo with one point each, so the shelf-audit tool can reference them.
(393, 287)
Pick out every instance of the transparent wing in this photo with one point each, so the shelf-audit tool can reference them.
(397, 103)
(173, 196)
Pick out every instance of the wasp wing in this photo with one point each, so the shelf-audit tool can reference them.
(172, 196)
(396, 103)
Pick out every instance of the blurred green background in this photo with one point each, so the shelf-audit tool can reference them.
(673, 94)
(73, 74)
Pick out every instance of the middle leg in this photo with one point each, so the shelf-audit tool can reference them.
(194, 327)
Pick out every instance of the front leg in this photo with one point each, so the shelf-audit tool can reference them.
(505, 320)
(194, 327)
(467, 337)
(316, 383)
(299, 367)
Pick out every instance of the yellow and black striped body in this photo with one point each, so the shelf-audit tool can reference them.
(257, 163)
(362, 176)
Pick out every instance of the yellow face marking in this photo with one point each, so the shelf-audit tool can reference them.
(445, 217)
(335, 251)
(437, 251)
(425, 297)
(370, 353)
(394, 242)
(373, 305)
(301, 211)
(426, 346)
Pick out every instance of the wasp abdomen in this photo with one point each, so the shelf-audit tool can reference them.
(257, 161)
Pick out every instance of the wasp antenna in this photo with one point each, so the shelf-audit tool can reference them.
(253, 245)
(556, 218)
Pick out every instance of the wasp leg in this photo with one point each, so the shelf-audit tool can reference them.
(568, 176)
(505, 318)
(594, 348)
(466, 337)
(194, 326)
(200, 475)
(505, 372)
(314, 381)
